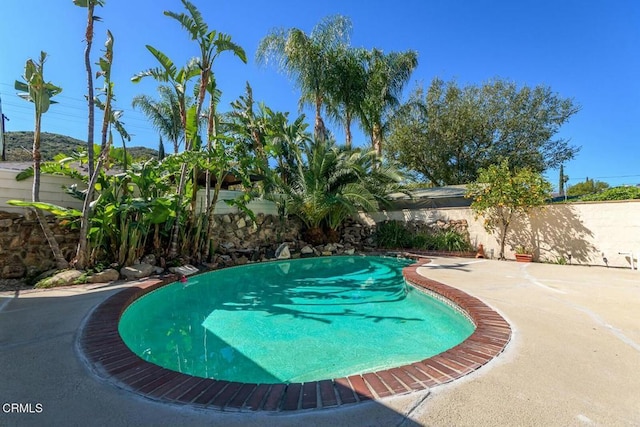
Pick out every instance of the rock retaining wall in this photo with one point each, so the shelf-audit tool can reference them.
(24, 251)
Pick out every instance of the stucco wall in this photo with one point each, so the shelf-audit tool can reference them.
(51, 190)
(589, 232)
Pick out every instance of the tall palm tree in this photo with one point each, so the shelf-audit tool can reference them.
(347, 88)
(306, 59)
(387, 74)
(164, 114)
(91, 18)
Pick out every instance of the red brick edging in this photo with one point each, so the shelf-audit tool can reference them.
(114, 361)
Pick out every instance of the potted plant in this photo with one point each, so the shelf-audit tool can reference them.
(523, 254)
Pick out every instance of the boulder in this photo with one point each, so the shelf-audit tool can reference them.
(64, 278)
(149, 259)
(137, 271)
(330, 247)
(306, 250)
(184, 270)
(349, 251)
(108, 275)
(283, 252)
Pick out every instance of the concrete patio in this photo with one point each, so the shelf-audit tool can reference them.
(574, 359)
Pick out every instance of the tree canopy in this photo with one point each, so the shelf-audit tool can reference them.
(500, 195)
(450, 132)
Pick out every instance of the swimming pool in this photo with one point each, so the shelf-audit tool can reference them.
(292, 321)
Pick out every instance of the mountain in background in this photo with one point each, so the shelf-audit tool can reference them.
(20, 144)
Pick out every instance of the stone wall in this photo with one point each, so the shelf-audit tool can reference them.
(24, 251)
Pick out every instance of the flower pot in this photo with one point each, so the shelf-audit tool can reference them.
(524, 257)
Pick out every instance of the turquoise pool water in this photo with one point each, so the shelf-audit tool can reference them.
(292, 321)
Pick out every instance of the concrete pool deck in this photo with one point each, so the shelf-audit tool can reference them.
(573, 359)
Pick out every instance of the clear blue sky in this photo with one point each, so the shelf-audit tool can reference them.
(587, 50)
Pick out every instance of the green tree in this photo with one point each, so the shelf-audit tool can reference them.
(331, 183)
(91, 18)
(307, 58)
(38, 91)
(386, 76)
(111, 119)
(210, 44)
(347, 86)
(500, 195)
(589, 186)
(164, 114)
(448, 133)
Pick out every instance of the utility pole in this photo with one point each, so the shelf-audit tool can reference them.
(3, 145)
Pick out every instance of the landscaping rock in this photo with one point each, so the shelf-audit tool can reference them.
(64, 278)
(137, 271)
(15, 269)
(185, 270)
(149, 259)
(283, 252)
(306, 250)
(349, 251)
(330, 247)
(108, 275)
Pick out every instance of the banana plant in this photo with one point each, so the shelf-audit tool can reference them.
(110, 118)
(35, 89)
(211, 44)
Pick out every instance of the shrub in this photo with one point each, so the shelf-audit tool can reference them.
(393, 234)
(616, 193)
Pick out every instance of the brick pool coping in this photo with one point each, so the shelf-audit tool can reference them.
(112, 360)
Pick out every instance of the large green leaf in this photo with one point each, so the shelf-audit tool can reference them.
(49, 207)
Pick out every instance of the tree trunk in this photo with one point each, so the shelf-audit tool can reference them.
(376, 136)
(87, 64)
(319, 129)
(503, 239)
(61, 263)
(347, 130)
(173, 245)
(82, 252)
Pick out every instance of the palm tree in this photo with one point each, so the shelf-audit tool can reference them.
(91, 18)
(347, 88)
(331, 183)
(164, 114)
(36, 90)
(387, 74)
(306, 58)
